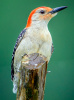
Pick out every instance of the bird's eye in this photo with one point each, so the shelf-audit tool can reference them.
(42, 11)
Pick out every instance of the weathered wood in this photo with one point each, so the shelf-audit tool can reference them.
(32, 77)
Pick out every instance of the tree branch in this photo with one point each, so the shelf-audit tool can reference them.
(32, 77)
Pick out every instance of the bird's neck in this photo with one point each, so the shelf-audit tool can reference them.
(39, 30)
(39, 25)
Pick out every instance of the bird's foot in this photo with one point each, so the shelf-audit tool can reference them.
(24, 55)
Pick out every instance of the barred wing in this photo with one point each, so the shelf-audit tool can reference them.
(20, 37)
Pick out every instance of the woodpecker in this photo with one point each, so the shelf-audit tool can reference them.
(35, 38)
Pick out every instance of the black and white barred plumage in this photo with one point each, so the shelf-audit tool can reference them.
(20, 37)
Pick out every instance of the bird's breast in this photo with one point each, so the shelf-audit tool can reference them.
(43, 40)
(40, 35)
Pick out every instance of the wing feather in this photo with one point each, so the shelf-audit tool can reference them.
(20, 37)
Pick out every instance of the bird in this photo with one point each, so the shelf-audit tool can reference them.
(34, 38)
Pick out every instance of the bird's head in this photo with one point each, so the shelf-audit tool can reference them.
(43, 14)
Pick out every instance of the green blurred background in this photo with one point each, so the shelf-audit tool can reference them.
(13, 18)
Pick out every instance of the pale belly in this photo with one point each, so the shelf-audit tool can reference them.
(29, 46)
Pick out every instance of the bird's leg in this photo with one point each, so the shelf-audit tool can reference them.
(24, 55)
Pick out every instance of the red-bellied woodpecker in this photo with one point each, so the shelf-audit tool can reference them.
(35, 38)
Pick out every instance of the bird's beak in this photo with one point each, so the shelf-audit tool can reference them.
(55, 10)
